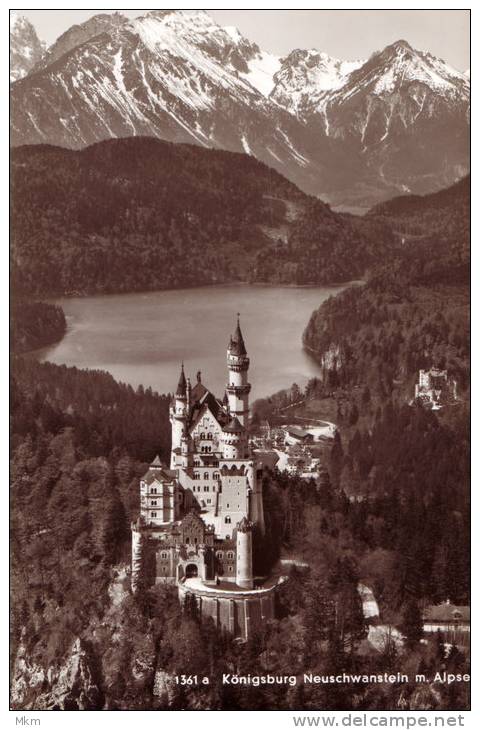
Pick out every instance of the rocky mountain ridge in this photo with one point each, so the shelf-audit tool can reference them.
(26, 49)
(351, 132)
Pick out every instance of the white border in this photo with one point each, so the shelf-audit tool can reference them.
(234, 720)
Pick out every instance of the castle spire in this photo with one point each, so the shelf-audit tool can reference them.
(238, 386)
(182, 384)
(237, 345)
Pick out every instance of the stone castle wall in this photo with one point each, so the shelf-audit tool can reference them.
(241, 613)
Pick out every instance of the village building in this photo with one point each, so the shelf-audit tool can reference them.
(447, 618)
(295, 435)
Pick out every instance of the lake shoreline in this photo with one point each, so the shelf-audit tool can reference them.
(218, 285)
(141, 339)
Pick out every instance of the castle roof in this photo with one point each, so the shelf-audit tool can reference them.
(159, 475)
(237, 345)
(182, 384)
(198, 391)
(207, 400)
(234, 426)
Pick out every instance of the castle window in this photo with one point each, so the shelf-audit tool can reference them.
(230, 555)
(196, 462)
(164, 556)
(154, 514)
(216, 475)
(228, 519)
(209, 501)
(154, 490)
(154, 503)
(209, 436)
(187, 541)
(206, 488)
(196, 475)
(205, 475)
(220, 555)
(230, 569)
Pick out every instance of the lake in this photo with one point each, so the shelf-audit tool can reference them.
(142, 338)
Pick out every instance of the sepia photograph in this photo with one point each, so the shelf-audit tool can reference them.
(240, 361)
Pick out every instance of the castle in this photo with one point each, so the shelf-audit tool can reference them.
(199, 516)
(435, 388)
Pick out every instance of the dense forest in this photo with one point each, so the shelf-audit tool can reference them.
(34, 325)
(78, 441)
(434, 231)
(137, 214)
(414, 311)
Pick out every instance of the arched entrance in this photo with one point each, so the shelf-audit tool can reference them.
(191, 571)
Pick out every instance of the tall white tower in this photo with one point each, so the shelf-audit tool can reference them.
(238, 386)
(178, 418)
(244, 573)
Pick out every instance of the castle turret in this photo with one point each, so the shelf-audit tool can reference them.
(185, 451)
(238, 386)
(234, 441)
(178, 416)
(244, 577)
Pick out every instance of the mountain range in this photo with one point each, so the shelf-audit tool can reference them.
(351, 132)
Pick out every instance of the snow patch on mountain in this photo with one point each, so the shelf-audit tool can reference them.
(403, 65)
(261, 72)
(233, 32)
(246, 146)
(306, 78)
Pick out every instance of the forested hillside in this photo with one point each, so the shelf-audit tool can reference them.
(434, 231)
(414, 311)
(34, 325)
(79, 444)
(137, 214)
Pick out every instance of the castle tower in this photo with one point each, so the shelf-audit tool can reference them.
(185, 450)
(244, 577)
(178, 417)
(234, 441)
(238, 386)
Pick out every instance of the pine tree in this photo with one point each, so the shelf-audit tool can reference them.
(412, 625)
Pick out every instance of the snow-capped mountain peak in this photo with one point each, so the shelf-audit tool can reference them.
(305, 77)
(26, 49)
(399, 65)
